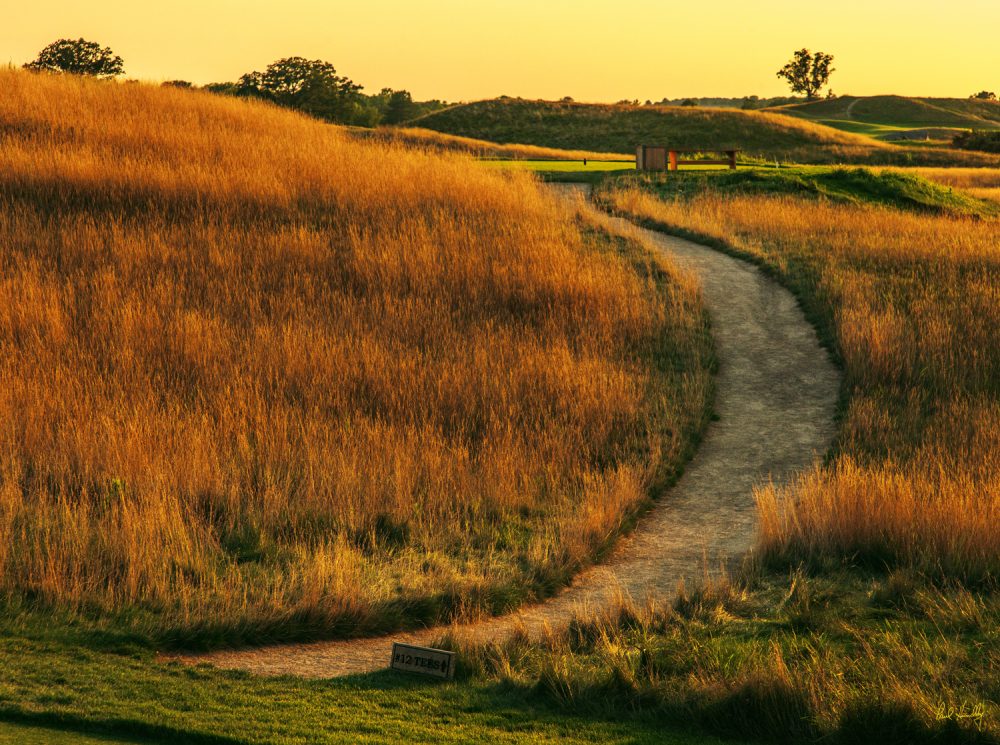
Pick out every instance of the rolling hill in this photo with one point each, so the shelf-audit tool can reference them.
(620, 128)
(428, 139)
(899, 117)
(234, 321)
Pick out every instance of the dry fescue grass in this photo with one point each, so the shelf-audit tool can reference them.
(911, 304)
(416, 137)
(257, 375)
(983, 183)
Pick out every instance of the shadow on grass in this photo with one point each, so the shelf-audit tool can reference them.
(112, 730)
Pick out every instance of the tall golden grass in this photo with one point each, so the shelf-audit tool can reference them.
(911, 303)
(431, 140)
(979, 182)
(257, 376)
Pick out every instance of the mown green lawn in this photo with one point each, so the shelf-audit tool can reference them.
(560, 166)
(574, 171)
(19, 734)
(881, 131)
(862, 128)
(60, 689)
(847, 185)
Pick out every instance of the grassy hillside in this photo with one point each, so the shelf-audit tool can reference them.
(438, 141)
(262, 380)
(620, 128)
(889, 117)
(858, 186)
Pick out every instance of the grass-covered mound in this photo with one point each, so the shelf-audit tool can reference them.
(900, 111)
(842, 185)
(621, 128)
(428, 139)
(261, 380)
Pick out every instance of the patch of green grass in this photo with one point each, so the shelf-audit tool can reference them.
(839, 658)
(560, 166)
(903, 136)
(574, 171)
(20, 734)
(862, 128)
(850, 185)
(51, 683)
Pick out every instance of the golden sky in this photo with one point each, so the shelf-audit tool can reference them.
(593, 50)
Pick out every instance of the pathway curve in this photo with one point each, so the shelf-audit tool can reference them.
(775, 399)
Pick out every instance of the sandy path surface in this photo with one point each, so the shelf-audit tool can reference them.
(776, 394)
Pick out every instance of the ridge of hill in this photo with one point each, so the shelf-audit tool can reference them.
(619, 128)
(428, 139)
(892, 117)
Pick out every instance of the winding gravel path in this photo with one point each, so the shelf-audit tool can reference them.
(776, 393)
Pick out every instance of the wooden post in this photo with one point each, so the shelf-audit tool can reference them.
(673, 160)
(732, 159)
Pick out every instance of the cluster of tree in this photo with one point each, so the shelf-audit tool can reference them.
(985, 96)
(314, 87)
(311, 86)
(746, 102)
(987, 141)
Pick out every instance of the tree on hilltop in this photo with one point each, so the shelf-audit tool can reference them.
(985, 96)
(78, 57)
(807, 72)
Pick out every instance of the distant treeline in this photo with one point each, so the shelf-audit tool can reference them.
(746, 102)
(313, 87)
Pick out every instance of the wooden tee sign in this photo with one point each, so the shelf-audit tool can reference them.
(423, 660)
